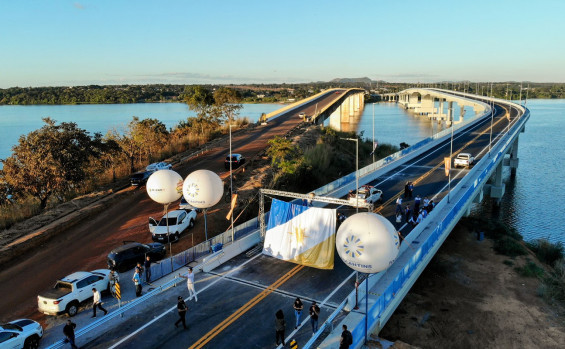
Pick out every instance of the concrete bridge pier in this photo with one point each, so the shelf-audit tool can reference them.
(462, 113)
(498, 187)
(513, 161)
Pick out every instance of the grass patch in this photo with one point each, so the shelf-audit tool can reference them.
(508, 262)
(509, 247)
(547, 252)
(530, 269)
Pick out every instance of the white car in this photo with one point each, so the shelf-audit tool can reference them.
(178, 221)
(463, 160)
(367, 194)
(70, 291)
(156, 166)
(22, 333)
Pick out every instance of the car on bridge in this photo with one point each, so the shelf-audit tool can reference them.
(171, 225)
(22, 333)
(72, 290)
(367, 194)
(463, 160)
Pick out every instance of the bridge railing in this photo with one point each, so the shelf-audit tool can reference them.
(464, 192)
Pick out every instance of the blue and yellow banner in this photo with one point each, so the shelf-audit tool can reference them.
(301, 234)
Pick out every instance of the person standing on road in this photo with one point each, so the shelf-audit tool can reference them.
(69, 332)
(407, 190)
(298, 306)
(417, 202)
(190, 284)
(346, 338)
(411, 189)
(399, 205)
(96, 302)
(137, 281)
(182, 308)
(407, 213)
(314, 313)
(147, 265)
(280, 326)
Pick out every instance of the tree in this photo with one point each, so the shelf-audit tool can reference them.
(49, 161)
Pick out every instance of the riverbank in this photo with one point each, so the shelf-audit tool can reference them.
(471, 297)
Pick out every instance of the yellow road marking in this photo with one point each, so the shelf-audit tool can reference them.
(244, 308)
(425, 175)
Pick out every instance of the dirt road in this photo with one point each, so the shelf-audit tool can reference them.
(85, 246)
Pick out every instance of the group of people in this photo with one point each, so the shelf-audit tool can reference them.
(139, 269)
(418, 212)
(182, 308)
(314, 312)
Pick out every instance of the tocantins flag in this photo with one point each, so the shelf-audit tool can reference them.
(301, 234)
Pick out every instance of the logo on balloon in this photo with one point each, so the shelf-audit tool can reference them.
(192, 190)
(353, 246)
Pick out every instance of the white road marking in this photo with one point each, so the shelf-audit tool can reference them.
(172, 308)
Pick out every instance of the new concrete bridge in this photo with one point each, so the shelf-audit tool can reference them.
(239, 290)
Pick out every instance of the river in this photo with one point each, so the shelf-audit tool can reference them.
(531, 204)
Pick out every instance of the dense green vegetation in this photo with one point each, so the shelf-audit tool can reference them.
(331, 158)
(60, 161)
(254, 93)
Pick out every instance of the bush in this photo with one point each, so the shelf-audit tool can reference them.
(509, 247)
(531, 269)
(547, 252)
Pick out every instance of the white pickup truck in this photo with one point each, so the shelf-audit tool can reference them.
(70, 291)
(367, 194)
(463, 160)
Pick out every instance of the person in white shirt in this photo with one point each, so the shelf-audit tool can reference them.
(96, 303)
(190, 284)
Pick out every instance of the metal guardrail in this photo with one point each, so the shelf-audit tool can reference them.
(326, 323)
(439, 234)
(118, 313)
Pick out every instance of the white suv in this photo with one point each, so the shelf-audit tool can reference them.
(23, 333)
(178, 221)
(70, 291)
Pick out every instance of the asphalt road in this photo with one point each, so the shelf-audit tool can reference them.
(236, 306)
(85, 246)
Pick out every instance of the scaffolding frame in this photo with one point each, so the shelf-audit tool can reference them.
(310, 197)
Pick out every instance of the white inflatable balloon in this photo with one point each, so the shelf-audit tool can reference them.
(202, 189)
(164, 186)
(367, 242)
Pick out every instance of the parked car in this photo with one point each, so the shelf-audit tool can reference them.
(128, 255)
(184, 205)
(367, 194)
(140, 178)
(178, 221)
(156, 166)
(70, 291)
(463, 160)
(236, 161)
(22, 333)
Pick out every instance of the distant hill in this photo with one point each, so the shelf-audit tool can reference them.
(364, 80)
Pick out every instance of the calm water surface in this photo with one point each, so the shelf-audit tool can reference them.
(532, 203)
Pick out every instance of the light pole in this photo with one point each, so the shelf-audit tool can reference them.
(356, 140)
(231, 180)
(491, 120)
(450, 159)
(373, 132)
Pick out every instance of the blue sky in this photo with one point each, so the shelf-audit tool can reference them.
(60, 43)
